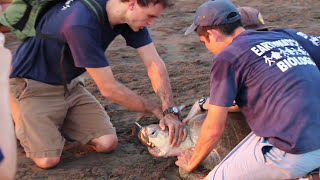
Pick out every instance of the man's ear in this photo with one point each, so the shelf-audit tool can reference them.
(131, 4)
(214, 34)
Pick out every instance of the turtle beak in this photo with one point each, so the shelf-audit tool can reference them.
(141, 135)
(144, 139)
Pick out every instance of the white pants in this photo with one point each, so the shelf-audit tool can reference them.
(247, 161)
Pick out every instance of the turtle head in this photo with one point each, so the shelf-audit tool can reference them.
(157, 141)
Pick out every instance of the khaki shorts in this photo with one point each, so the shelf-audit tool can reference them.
(41, 112)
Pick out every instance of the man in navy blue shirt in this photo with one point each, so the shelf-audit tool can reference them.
(42, 106)
(272, 76)
(251, 18)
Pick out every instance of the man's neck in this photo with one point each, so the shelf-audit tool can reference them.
(227, 39)
(236, 32)
(116, 11)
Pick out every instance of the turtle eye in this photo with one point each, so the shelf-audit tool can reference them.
(153, 132)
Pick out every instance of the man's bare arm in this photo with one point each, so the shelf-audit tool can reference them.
(120, 94)
(210, 134)
(195, 110)
(157, 73)
(159, 78)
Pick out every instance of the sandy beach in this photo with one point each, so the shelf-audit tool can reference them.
(188, 63)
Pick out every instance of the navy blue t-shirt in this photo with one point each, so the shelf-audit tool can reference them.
(1, 156)
(275, 80)
(74, 23)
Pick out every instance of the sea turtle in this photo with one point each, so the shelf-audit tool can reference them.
(158, 145)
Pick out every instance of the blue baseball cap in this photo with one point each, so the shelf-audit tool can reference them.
(214, 13)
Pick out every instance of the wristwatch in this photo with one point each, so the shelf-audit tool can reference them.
(174, 110)
(201, 102)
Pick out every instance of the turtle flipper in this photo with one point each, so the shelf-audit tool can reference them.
(211, 160)
(205, 167)
(197, 174)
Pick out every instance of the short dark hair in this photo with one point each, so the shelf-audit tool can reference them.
(145, 3)
(227, 29)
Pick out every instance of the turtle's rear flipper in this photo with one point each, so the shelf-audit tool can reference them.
(197, 174)
(211, 160)
(202, 171)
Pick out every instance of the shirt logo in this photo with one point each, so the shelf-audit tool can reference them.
(284, 53)
(314, 39)
(270, 60)
(66, 5)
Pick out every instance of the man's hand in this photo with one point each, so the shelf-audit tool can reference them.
(183, 160)
(177, 130)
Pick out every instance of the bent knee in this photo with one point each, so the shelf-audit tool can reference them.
(105, 143)
(46, 163)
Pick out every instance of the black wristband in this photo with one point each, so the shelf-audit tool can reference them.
(174, 110)
(201, 102)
